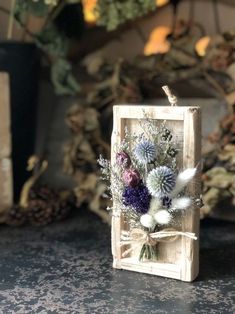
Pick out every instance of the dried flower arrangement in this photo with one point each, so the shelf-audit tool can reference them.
(148, 187)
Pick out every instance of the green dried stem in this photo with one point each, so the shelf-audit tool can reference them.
(148, 252)
(55, 12)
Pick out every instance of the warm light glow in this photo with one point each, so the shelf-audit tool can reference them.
(157, 42)
(201, 45)
(89, 6)
(161, 3)
(88, 10)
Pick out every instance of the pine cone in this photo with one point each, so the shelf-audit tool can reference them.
(43, 193)
(61, 210)
(47, 205)
(16, 216)
(40, 212)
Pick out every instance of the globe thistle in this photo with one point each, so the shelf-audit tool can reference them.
(161, 181)
(145, 152)
(137, 197)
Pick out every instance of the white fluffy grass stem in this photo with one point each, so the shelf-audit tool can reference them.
(155, 205)
(147, 221)
(182, 180)
(162, 217)
(181, 203)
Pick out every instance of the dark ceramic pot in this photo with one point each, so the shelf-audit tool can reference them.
(22, 62)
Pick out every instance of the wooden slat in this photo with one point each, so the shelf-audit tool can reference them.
(117, 222)
(5, 138)
(159, 269)
(191, 159)
(6, 185)
(6, 190)
(136, 112)
(178, 259)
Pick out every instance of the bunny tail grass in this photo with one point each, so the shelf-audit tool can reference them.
(155, 205)
(182, 180)
(181, 203)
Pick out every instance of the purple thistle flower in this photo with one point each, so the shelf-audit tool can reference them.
(123, 159)
(137, 197)
(131, 177)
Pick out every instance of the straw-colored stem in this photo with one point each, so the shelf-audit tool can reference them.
(24, 195)
(146, 171)
(11, 20)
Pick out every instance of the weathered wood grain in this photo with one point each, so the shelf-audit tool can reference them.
(6, 186)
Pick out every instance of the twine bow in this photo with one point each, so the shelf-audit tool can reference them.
(137, 237)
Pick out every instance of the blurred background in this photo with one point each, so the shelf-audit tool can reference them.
(65, 63)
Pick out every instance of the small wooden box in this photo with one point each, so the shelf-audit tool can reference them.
(6, 189)
(178, 259)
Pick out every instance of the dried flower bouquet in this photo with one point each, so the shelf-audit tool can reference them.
(147, 186)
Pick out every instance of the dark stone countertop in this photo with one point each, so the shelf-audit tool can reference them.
(66, 268)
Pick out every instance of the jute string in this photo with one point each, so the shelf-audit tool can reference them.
(171, 98)
(138, 237)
